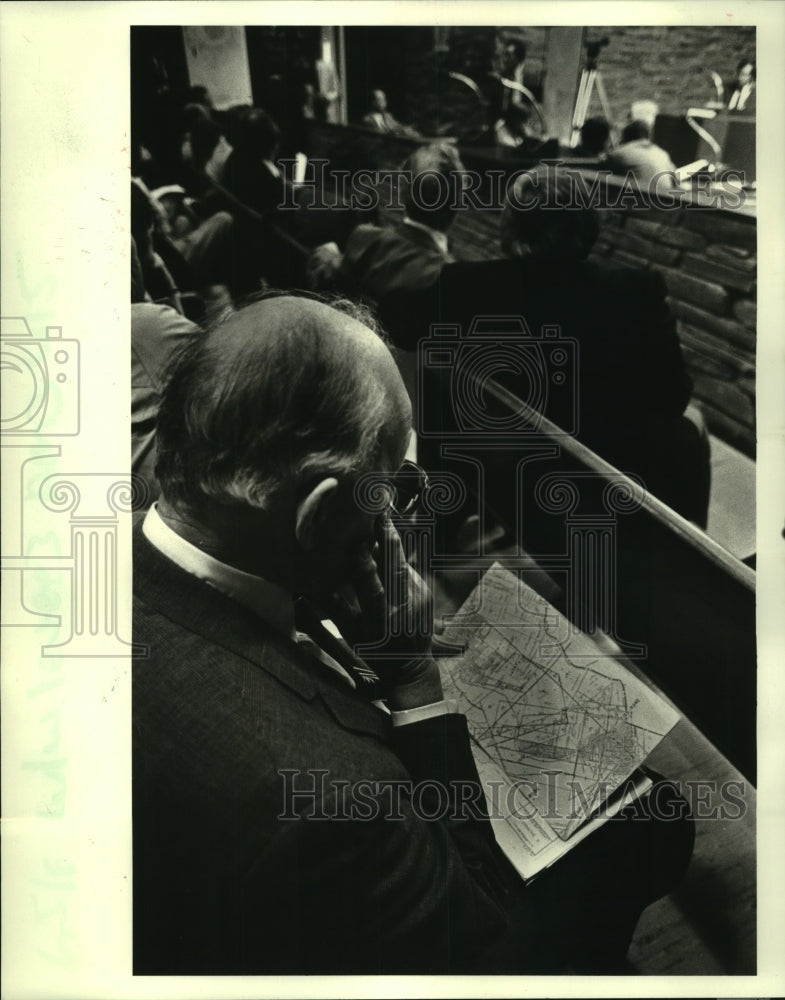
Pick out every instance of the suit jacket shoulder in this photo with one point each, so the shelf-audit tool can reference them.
(383, 260)
(274, 829)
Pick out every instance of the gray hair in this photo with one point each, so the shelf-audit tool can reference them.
(438, 176)
(259, 404)
(542, 218)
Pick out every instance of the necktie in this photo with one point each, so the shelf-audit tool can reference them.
(308, 621)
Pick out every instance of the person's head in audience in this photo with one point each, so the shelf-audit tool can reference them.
(745, 72)
(437, 175)
(635, 131)
(514, 54)
(195, 113)
(644, 109)
(550, 226)
(232, 121)
(264, 429)
(200, 134)
(257, 136)
(594, 136)
(377, 101)
(141, 159)
(199, 94)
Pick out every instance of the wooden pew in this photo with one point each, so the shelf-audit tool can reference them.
(677, 593)
(693, 605)
(681, 606)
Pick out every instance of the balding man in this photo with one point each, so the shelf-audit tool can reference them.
(287, 820)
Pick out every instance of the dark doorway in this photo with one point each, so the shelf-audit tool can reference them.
(391, 59)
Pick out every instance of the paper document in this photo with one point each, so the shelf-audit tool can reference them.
(523, 834)
(565, 723)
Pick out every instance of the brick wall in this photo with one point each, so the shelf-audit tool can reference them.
(708, 260)
(707, 257)
(667, 64)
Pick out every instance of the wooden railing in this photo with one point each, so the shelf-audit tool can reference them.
(674, 599)
(679, 604)
(285, 257)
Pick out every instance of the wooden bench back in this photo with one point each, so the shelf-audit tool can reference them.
(676, 601)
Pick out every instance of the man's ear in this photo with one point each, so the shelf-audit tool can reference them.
(310, 516)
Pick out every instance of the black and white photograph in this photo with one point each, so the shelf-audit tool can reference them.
(392, 585)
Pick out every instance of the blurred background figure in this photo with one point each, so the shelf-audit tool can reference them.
(204, 148)
(644, 111)
(638, 155)
(251, 173)
(634, 385)
(379, 260)
(742, 91)
(512, 130)
(595, 136)
(381, 120)
(513, 68)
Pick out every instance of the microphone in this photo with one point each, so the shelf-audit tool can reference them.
(718, 86)
(706, 114)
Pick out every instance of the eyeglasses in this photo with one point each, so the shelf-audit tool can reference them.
(409, 484)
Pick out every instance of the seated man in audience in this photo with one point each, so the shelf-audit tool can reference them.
(250, 172)
(264, 431)
(630, 385)
(381, 120)
(205, 148)
(383, 259)
(271, 240)
(149, 233)
(639, 156)
(741, 93)
(181, 253)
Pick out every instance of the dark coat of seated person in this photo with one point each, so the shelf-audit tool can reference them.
(621, 385)
(379, 260)
(268, 835)
(250, 173)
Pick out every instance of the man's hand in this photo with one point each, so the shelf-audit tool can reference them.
(386, 615)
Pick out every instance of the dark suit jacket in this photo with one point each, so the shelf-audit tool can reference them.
(222, 704)
(251, 182)
(625, 374)
(749, 104)
(381, 260)
(232, 876)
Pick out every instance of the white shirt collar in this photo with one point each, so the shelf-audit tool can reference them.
(440, 239)
(267, 600)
